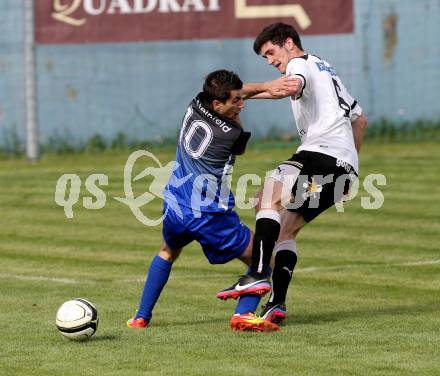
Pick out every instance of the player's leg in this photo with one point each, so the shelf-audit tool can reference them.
(333, 180)
(276, 189)
(224, 238)
(295, 215)
(175, 238)
(257, 281)
(267, 225)
(284, 264)
(157, 277)
(292, 221)
(244, 318)
(246, 256)
(247, 303)
(259, 287)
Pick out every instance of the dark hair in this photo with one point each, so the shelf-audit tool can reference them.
(277, 33)
(219, 84)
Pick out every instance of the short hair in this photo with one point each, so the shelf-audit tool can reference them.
(219, 84)
(277, 33)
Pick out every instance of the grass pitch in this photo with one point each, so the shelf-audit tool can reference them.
(365, 298)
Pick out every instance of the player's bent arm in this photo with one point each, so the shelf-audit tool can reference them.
(266, 95)
(280, 88)
(359, 124)
(254, 88)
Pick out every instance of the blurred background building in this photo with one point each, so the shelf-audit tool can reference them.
(126, 69)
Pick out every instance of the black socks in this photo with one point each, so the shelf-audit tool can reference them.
(266, 235)
(285, 261)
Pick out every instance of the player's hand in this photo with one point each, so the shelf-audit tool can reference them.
(284, 86)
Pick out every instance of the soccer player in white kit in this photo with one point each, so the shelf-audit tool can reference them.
(331, 126)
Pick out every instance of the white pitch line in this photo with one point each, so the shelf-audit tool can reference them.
(38, 278)
(360, 266)
(324, 268)
(219, 275)
(417, 263)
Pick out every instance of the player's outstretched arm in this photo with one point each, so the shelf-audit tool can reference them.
(359, 125)
(280, 88)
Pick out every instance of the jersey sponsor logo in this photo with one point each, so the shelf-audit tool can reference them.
(214, 118)
(326, 68)
(346, 166)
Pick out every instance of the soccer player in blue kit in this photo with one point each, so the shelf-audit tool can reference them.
(198, 204)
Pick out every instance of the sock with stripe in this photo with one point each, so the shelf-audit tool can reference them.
(285, 262)
(267, 229)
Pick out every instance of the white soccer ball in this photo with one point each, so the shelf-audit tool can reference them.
(77, 319)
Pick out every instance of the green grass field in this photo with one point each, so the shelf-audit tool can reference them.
(365, 298)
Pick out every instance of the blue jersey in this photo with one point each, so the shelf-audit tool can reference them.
(205, 157)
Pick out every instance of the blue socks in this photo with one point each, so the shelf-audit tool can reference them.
(247, 304)
(157, 277)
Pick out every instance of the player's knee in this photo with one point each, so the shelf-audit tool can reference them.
(268, 205)
(168, 254)
(270, 196)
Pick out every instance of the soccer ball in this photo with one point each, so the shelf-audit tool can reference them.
(77, 319)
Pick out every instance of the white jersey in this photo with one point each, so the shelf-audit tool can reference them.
(323, 110)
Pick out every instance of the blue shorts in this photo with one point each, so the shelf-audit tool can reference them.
(222, 236)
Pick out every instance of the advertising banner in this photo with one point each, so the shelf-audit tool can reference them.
(98, 21)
